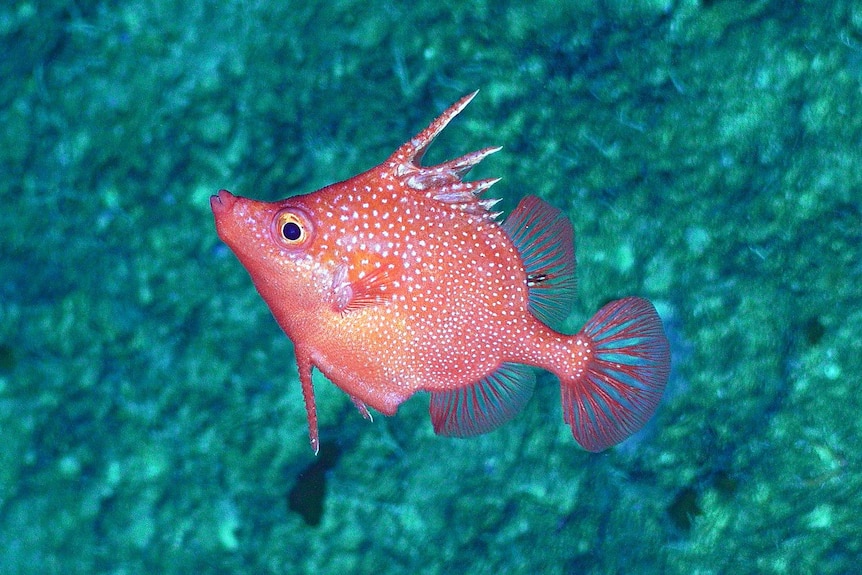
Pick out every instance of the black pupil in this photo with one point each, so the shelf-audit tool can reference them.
(291, 231)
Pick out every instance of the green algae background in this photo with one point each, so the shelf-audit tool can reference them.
(151, 421)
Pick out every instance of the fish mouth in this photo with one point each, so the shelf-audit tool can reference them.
(222, 202)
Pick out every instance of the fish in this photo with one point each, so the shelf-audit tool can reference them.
(404, 279)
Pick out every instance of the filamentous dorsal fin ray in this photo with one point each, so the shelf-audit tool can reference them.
(443, 182)
(421, 141)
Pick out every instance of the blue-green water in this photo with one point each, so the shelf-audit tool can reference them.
(708, 154)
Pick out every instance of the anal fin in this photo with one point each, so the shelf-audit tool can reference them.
(482, 406)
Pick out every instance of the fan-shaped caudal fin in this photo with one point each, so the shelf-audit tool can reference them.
(627, 366)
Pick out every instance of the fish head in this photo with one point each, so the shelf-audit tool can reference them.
(277, 243)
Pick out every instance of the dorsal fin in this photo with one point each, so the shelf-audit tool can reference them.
(443, 182)
(544, 237)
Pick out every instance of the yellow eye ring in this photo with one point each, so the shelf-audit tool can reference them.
(291, 227)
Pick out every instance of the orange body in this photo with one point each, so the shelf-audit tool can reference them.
(401, 279)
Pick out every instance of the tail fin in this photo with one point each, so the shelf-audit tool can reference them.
(622, 382)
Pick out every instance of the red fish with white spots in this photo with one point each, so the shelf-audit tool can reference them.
(402, 279)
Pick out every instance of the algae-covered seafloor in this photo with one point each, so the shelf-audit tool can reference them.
(708, 154)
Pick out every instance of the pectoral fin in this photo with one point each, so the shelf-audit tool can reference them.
(367, 288)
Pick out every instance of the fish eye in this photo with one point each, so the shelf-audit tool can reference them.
(291, 231)
(291, 227)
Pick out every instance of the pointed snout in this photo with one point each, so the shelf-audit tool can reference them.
(222, 202)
